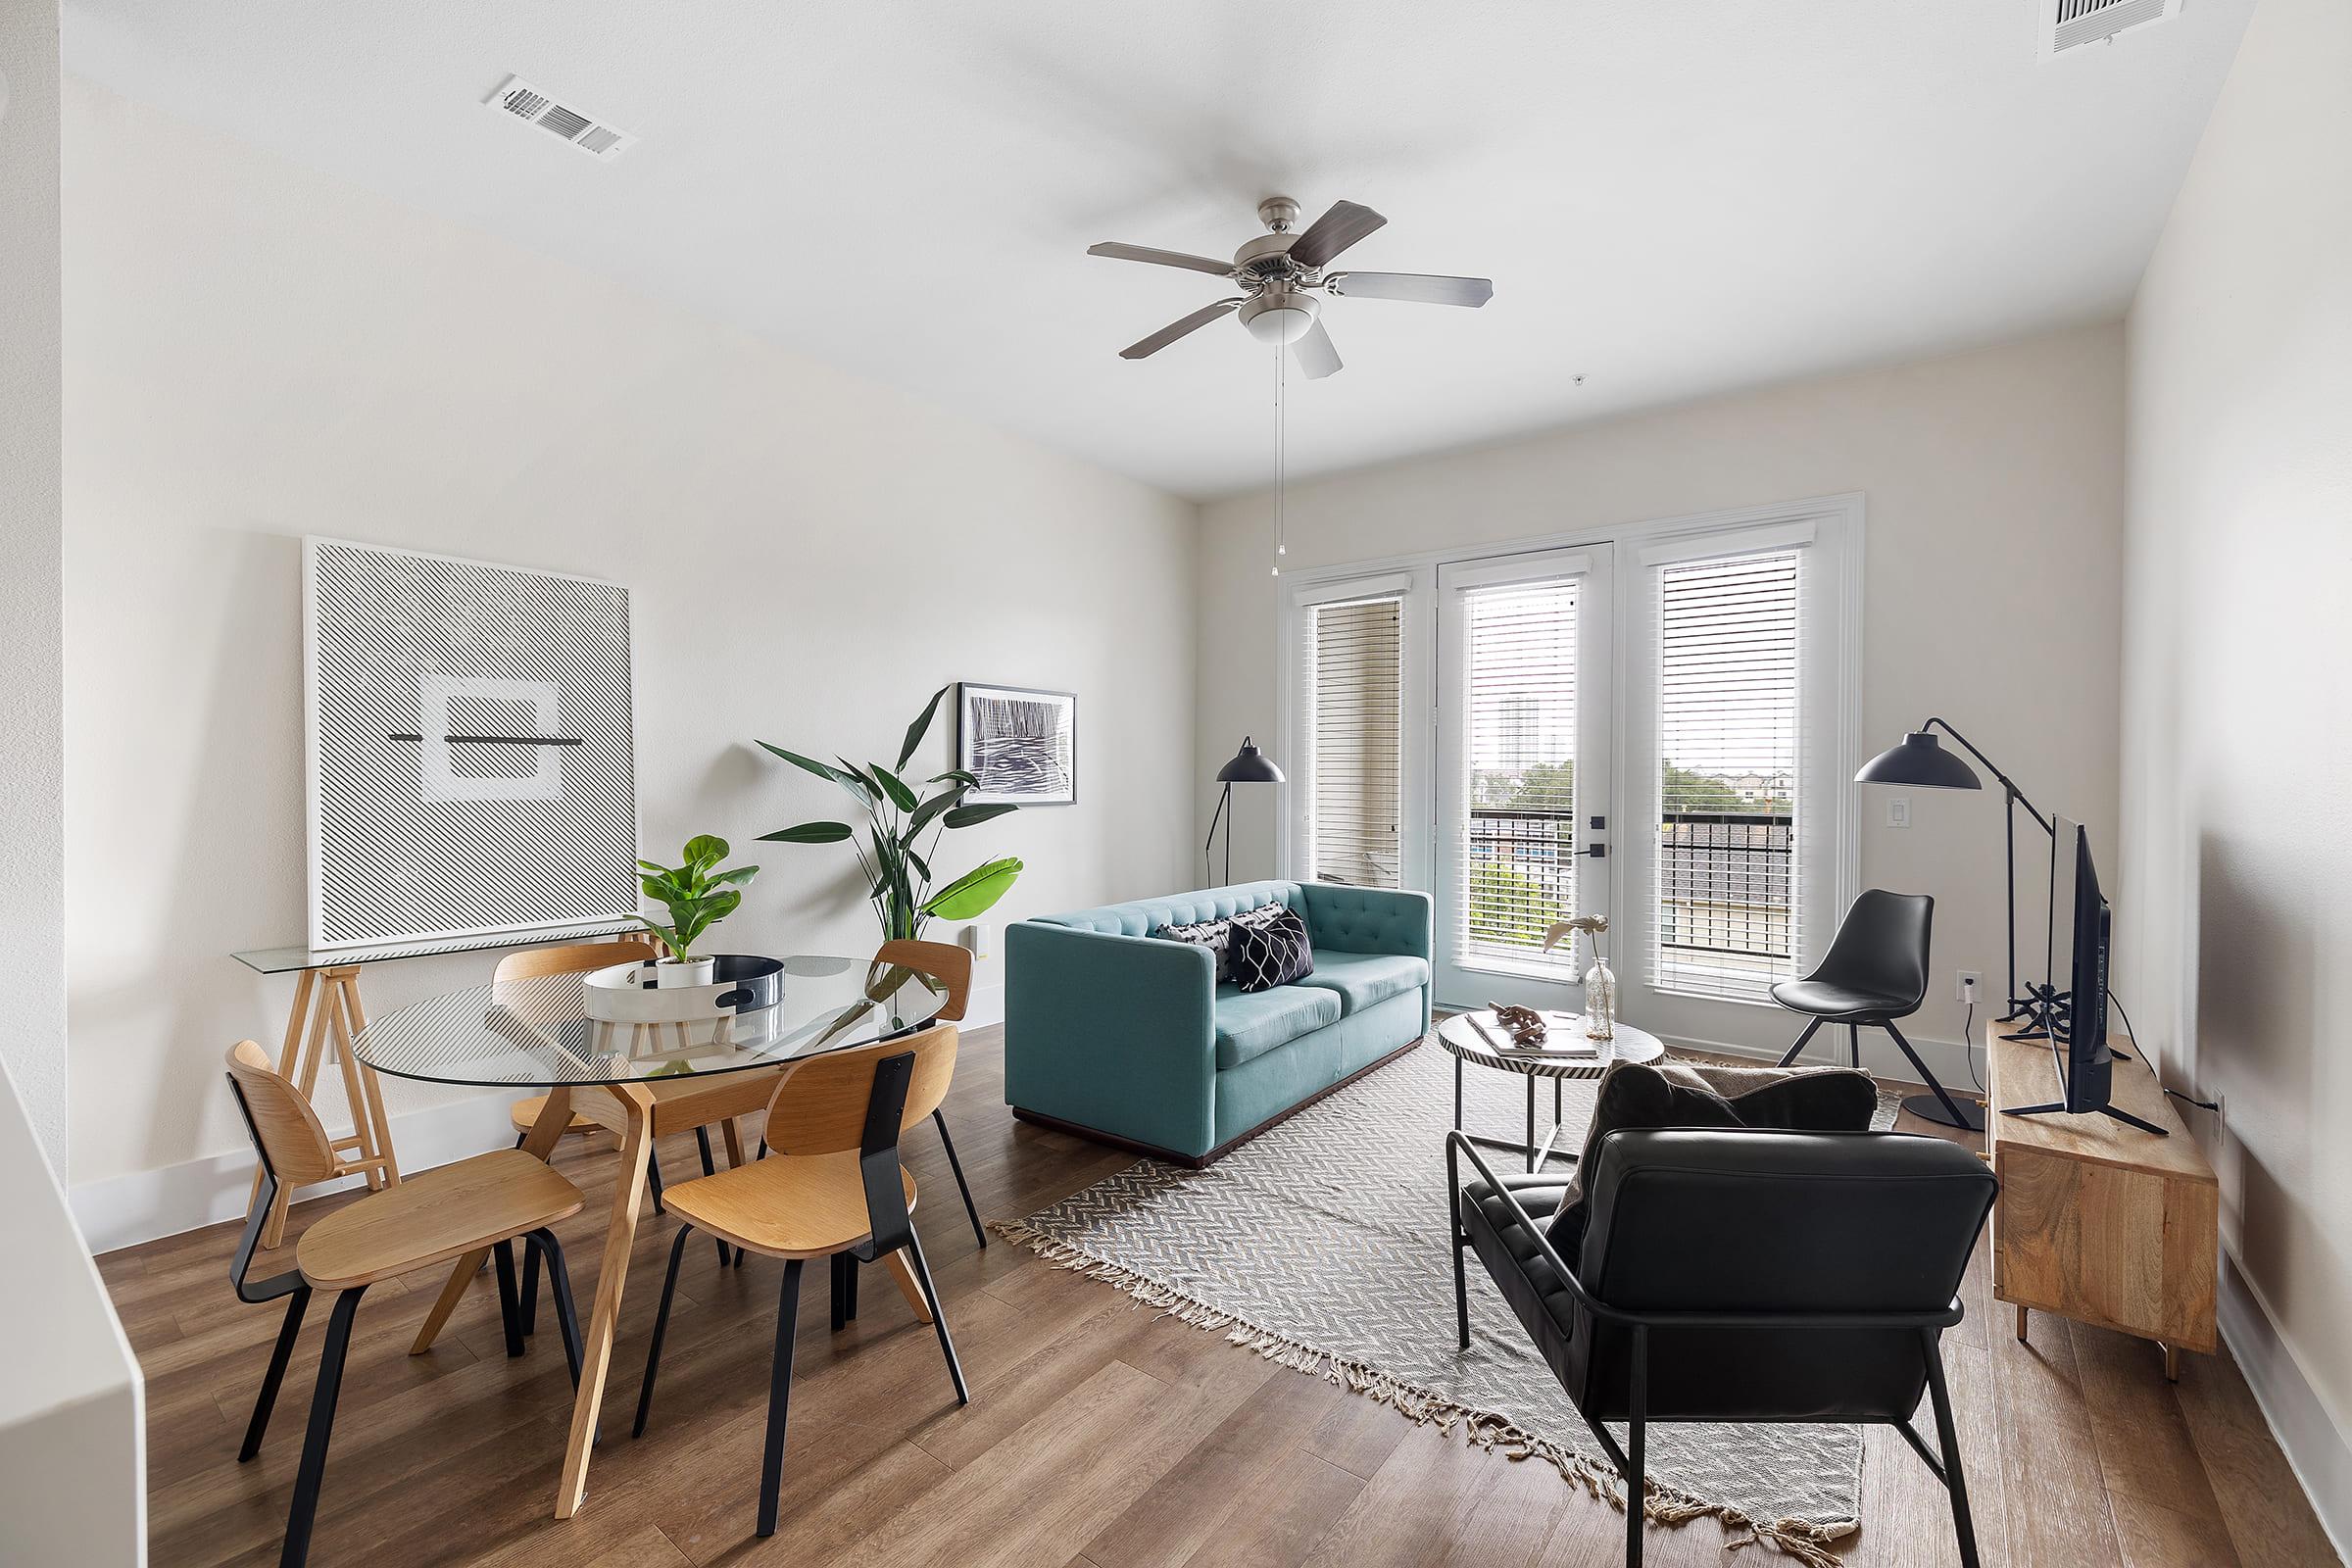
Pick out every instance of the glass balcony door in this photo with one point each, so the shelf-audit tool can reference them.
(1523, 766)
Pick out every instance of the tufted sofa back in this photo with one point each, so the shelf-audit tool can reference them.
(1147, 915)
(1350, 920)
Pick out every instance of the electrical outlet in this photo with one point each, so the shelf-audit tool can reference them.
(1898, 810)
(1970, 983)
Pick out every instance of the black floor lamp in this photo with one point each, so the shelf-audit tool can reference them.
(1250, 765)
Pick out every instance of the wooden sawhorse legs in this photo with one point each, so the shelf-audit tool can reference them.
(326, 1019)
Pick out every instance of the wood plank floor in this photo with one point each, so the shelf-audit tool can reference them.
(1100, 1435)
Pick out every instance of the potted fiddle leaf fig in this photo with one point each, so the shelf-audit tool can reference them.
(894, 850)
(698, 896)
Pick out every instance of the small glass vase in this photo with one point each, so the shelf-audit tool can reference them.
(1601, 998)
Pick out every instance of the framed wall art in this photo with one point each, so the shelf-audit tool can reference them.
(472, 746)
(1019, 742)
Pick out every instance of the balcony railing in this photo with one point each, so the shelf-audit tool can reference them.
(1725, 881)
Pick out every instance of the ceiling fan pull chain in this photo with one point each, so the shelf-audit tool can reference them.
(1281, 458)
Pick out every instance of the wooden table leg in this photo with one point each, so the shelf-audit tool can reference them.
(629, 1190)
(354, 1023)
(545, 1133)
(2020, 1325)
(355, 1093)
(306, 1079)
(904, 1276)
(2172, 1361)
(734, 1137)
(274, 1230)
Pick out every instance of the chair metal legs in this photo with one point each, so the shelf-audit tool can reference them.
(543, 1242)
(779, 1395)
(979, 1234)
(509, 1310)
(653, 1351)
(1797, 1049)
(284, 1351)
(845, 1291)
(531, 1288)
(1462, 1237)
(1947, 1438)
(304, 1510)
(701, 1142)
(1637, 1412)
(939, 1316)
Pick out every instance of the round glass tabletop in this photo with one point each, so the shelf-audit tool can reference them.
(539, 1031)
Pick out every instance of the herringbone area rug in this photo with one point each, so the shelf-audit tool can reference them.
(1324, 1244)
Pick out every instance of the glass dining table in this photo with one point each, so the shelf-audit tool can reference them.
(642, 1081)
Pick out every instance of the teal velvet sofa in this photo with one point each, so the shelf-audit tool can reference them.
(1129, 1039)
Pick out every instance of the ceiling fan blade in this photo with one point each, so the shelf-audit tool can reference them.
(1158, 258)
(1333, 232)
(1176, 329)
(1422, 288)
(1316, 357)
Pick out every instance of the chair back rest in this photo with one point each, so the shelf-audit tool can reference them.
(821, 1103)
(941, 962)
(573, 958)
(1751, 1221)
(1881, 946)
(286, 1132)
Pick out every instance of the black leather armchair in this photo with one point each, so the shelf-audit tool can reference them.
(1738, 1276)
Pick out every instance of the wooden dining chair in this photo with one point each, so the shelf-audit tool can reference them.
(834, 1189)
(951, 967)
(575, 958)
(578, 958)
(489, 1200)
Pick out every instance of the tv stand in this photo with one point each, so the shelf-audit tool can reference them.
(2110, 1221)
(2060, 1109)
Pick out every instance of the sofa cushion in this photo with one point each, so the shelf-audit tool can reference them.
(1364, 978)
(1270, 953)
(1251, 1023)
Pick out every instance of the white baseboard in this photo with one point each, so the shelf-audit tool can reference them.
(142, 1205)
(2317, 1449)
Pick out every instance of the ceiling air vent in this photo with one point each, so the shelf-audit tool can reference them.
(523, 101)
(2063, 26)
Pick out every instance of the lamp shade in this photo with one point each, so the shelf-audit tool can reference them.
(1920, 761)
(1250, 765)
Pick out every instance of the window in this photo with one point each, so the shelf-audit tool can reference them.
(1353, 669)
(1519, 738)
(1725, 921)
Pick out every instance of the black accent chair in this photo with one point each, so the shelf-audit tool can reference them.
(1875, 972)
(1737, 1275)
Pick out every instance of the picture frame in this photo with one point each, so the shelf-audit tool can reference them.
(1021, 742)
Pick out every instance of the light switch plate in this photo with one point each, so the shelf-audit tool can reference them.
(1898, 810)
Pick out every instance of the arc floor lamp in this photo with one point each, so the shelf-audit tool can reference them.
(1250, 765)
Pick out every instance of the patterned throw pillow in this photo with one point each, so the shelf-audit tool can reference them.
(1271, 953)
(1218, 935)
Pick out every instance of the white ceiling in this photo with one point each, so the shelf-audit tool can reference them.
(1671, 199)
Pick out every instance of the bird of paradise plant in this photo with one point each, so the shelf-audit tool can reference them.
(893, 853)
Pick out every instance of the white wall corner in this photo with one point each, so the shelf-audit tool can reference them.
(2317, 1447)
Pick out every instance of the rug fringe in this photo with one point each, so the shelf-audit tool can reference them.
(1804, 1540)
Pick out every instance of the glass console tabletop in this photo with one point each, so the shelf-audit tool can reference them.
(293, 959)
(538, 1033)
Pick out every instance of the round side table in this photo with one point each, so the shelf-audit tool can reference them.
(1475, 1038)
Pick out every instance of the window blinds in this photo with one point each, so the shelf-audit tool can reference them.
(1355, 697)
(1727, 891)
(1517, 856)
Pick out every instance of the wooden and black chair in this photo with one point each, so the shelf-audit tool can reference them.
(832, 1188)
(951, 967)
(1736, 1275)
(1875, 972)
(436, 1216)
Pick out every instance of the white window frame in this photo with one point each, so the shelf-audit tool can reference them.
(1836, 527)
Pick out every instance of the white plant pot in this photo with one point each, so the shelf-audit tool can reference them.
(671, 972)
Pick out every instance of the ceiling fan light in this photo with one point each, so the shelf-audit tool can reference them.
(1279, 316)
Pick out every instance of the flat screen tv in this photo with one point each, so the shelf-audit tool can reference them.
(2081, 929)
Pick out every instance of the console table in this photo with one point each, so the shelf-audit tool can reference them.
(2098, 1221)
(326, 1016)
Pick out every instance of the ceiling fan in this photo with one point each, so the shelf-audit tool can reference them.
(1279, 272)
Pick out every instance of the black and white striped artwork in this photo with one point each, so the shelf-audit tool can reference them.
(1022, 744)
(472, 746)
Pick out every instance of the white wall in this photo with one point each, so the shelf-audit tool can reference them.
(1994, 486)
(2238, 738)
(254, 352)
(72, 1428)
(33, 1042)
